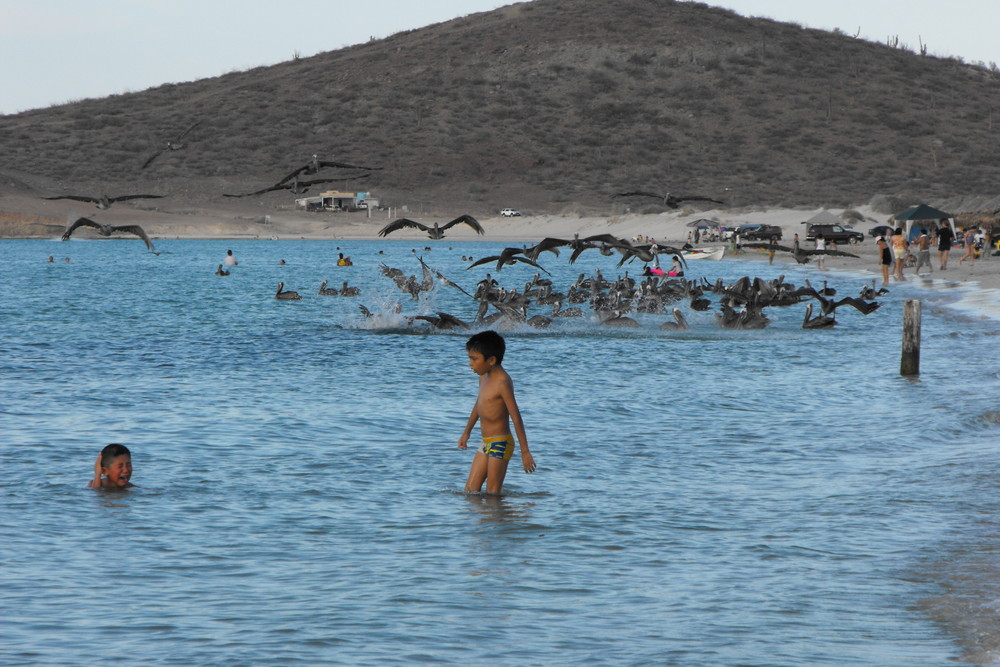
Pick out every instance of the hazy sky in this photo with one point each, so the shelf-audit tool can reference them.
(54, 51)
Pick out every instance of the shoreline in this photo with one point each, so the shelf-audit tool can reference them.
(980, 282)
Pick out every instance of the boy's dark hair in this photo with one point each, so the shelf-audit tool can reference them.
(112, 451)
(487, 343)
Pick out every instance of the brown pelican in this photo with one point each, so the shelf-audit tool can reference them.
(436, 232)
(325, 291)
(220, 272)
(104, 202)
(557, 310)
(286, 296)
(410, 284)
(443, 321)
(679, 323)
(295, 185)
(108, 230)
(818, 322)
(618, 320)
(507, 256)
(669, 200)
(315, 164)
(349, 291)
(172, 145)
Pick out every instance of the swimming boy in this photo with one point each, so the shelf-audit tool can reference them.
(495, 408)
(113, 468)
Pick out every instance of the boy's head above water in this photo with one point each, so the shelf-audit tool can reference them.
(487, 343)
(116, 465)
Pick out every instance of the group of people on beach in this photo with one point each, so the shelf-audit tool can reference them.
(495, 410)
(894, 249)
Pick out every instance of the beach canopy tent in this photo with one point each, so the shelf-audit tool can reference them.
(924, 214)
(824, 218)
(703, 223)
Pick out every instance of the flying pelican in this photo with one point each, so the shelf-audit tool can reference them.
(296, 186)
(507, 256)
(172, 145)
(436, 232)
(286, 296)
(669, 200)
(108, 230)
(104, 202)
(315, 164)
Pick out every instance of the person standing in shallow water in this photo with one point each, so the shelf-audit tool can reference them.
(898, 244)
(923, 252)
(495, 409)
(230, 259)
(885, 258)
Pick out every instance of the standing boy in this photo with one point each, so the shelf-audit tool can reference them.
(495, 408)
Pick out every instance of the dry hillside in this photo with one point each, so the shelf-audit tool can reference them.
(548, 105)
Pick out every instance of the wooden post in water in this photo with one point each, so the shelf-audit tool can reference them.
(909, 363)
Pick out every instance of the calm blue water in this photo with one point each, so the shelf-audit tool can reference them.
(775, 497)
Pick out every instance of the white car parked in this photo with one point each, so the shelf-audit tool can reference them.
(509, 212)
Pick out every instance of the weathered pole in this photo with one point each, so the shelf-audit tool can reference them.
(909, 363)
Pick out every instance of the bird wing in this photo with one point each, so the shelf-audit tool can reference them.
(548, 244)
(637, 193)
(467, 219)
(126, 197)
(579, 251)
(427, 281)
(697, 198)
(400, 224)
(610, 239)
(766, 246)
(185, 132)
(150, 159)
(344, 165)
(277, 186)
(450, 284)
(134, 229)
(396, 275)
(526, 260)
(75, 198)
(80, 222)
(483, 260)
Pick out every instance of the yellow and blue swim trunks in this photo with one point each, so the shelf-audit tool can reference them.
(498, 446)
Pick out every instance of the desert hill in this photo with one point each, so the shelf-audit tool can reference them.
(550, 105)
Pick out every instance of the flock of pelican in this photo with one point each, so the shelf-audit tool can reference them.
(740, 305)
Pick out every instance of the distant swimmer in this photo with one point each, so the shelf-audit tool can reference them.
(107, 230)
(51, 259)
(104, 202)
(435, 232)
(113, 468)
(282, 295)
(230, 259)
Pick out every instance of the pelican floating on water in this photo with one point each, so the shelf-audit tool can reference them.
(286, 296)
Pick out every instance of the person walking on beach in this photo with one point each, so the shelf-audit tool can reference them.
(898, 243)
(923, 252)
(495, 409)
(795, 245)
(945, 239)
(885, 259)
(969, 240)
